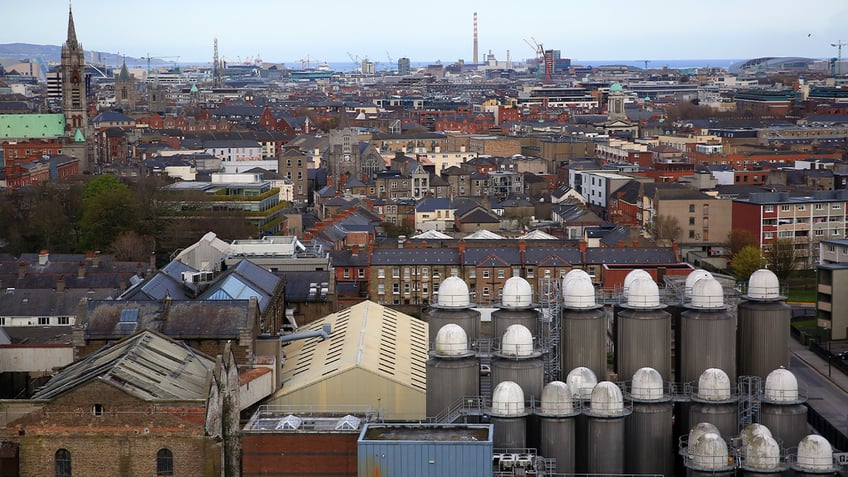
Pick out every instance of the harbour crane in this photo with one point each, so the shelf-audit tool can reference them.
(838, 45)
(174, 59)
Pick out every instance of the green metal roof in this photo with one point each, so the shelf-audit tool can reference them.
(30, 126)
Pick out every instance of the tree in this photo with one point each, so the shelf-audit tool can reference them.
(781, 258)
(666, 227)
(738, 239)
(132, 247)
(747, 261)
(105, 216)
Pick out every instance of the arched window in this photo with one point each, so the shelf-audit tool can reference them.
(63, 463)
(164, 462)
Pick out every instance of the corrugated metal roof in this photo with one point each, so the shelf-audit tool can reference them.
(367, 335)
(146, 365)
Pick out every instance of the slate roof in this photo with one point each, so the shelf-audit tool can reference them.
(147, 365)
(415, 256)
(297, 284)
(47, 302)
(629, 255)
(432, 204)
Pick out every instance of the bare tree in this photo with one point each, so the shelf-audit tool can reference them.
(666, 227)
(132, 247)
(781, 258)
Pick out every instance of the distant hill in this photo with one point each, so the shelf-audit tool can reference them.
(53, 54)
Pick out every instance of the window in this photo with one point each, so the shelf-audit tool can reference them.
(360, 273)
(837, 232)
(406, 273)
(691, 234)
(791, 234)
(784, 208)
(801, 207)
(2, 321)
(500, 291)
(381, 289)
(63, 320)
(692, 208)
(164, 462)
(395, 288)
(691, 220)
(472, 273)
(346, 273)
(501, 273)
(454, 272)
(768, 235)
(768, 208)
(529, 273)
(835, 206)
(817, 232)
(63, 463)
(43, 320)
(485, 291)
(819, 207)
(406, 288)
(395, 272)
(381, 273)
(97, 410)
(485, 274)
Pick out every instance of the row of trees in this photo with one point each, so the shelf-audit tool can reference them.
(102, 213)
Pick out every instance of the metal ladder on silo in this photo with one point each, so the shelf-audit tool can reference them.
(549, 327)
(749, 400)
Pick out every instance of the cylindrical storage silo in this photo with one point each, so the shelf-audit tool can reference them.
(516, 360)
(762, 336)
(644, 331)
(708, 456)
(581, 381)
(509, 416)
(605, 430)
(761, 456)
(557, 415)
(516, 308)
(454, 306)
(689, 284)
(782, 408)
(814, 457)
(584, 328)
(648, 429)
(713, 401)
(708, 333)
(453, 371)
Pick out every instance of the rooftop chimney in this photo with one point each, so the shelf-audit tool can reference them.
(43, 256)
(81, 270)
(22, 270)
(355, 250)
(60, 284)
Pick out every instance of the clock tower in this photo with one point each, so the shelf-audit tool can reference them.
(74, 96)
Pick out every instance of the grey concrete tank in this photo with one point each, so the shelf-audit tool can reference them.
(648, 429)
(581, 381)
(713, 401)
(516, 359)
(557, 415)
(762, 338)
(814, 456)
(509, 416)
(454, 306)
(584, 328)
(453, 371)
(643, 331)
(782, 408)
(605, 429)
(708, 333)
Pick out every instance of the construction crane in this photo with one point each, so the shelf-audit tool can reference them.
(838, 45)
(175, 59)
(304, 62)
(540, 54)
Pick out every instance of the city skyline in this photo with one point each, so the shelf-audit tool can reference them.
(653, 30)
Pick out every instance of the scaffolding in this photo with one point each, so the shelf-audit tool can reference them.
(549, 327)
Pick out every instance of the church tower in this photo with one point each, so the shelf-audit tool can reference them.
(125, 89)
(74, 97)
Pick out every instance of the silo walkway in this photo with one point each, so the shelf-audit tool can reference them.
(826, 386)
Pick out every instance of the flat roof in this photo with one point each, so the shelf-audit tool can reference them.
(427, 432)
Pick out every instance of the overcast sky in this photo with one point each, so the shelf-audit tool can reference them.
(285, 31)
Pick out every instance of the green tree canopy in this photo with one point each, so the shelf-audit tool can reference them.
(106, 214)
(747, 261)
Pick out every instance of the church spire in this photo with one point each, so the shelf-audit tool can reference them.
(72, 32)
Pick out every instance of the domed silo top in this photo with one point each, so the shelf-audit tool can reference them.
(751, 431)
(710, 452)
(517, 293)
(697, 432)
(581, 381)
(762, 453)
(508, 399)
(643, 294)
(607, 399)
(781, 386)
(517, 341)
(451, 340)
(633, 275)
(580, 294)
(647, 385)
(556, 398)
(763, 286)
(814, 454)
(714, 385)
(692, 278)
(453, 293)
(574, 273)
(707, 294)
